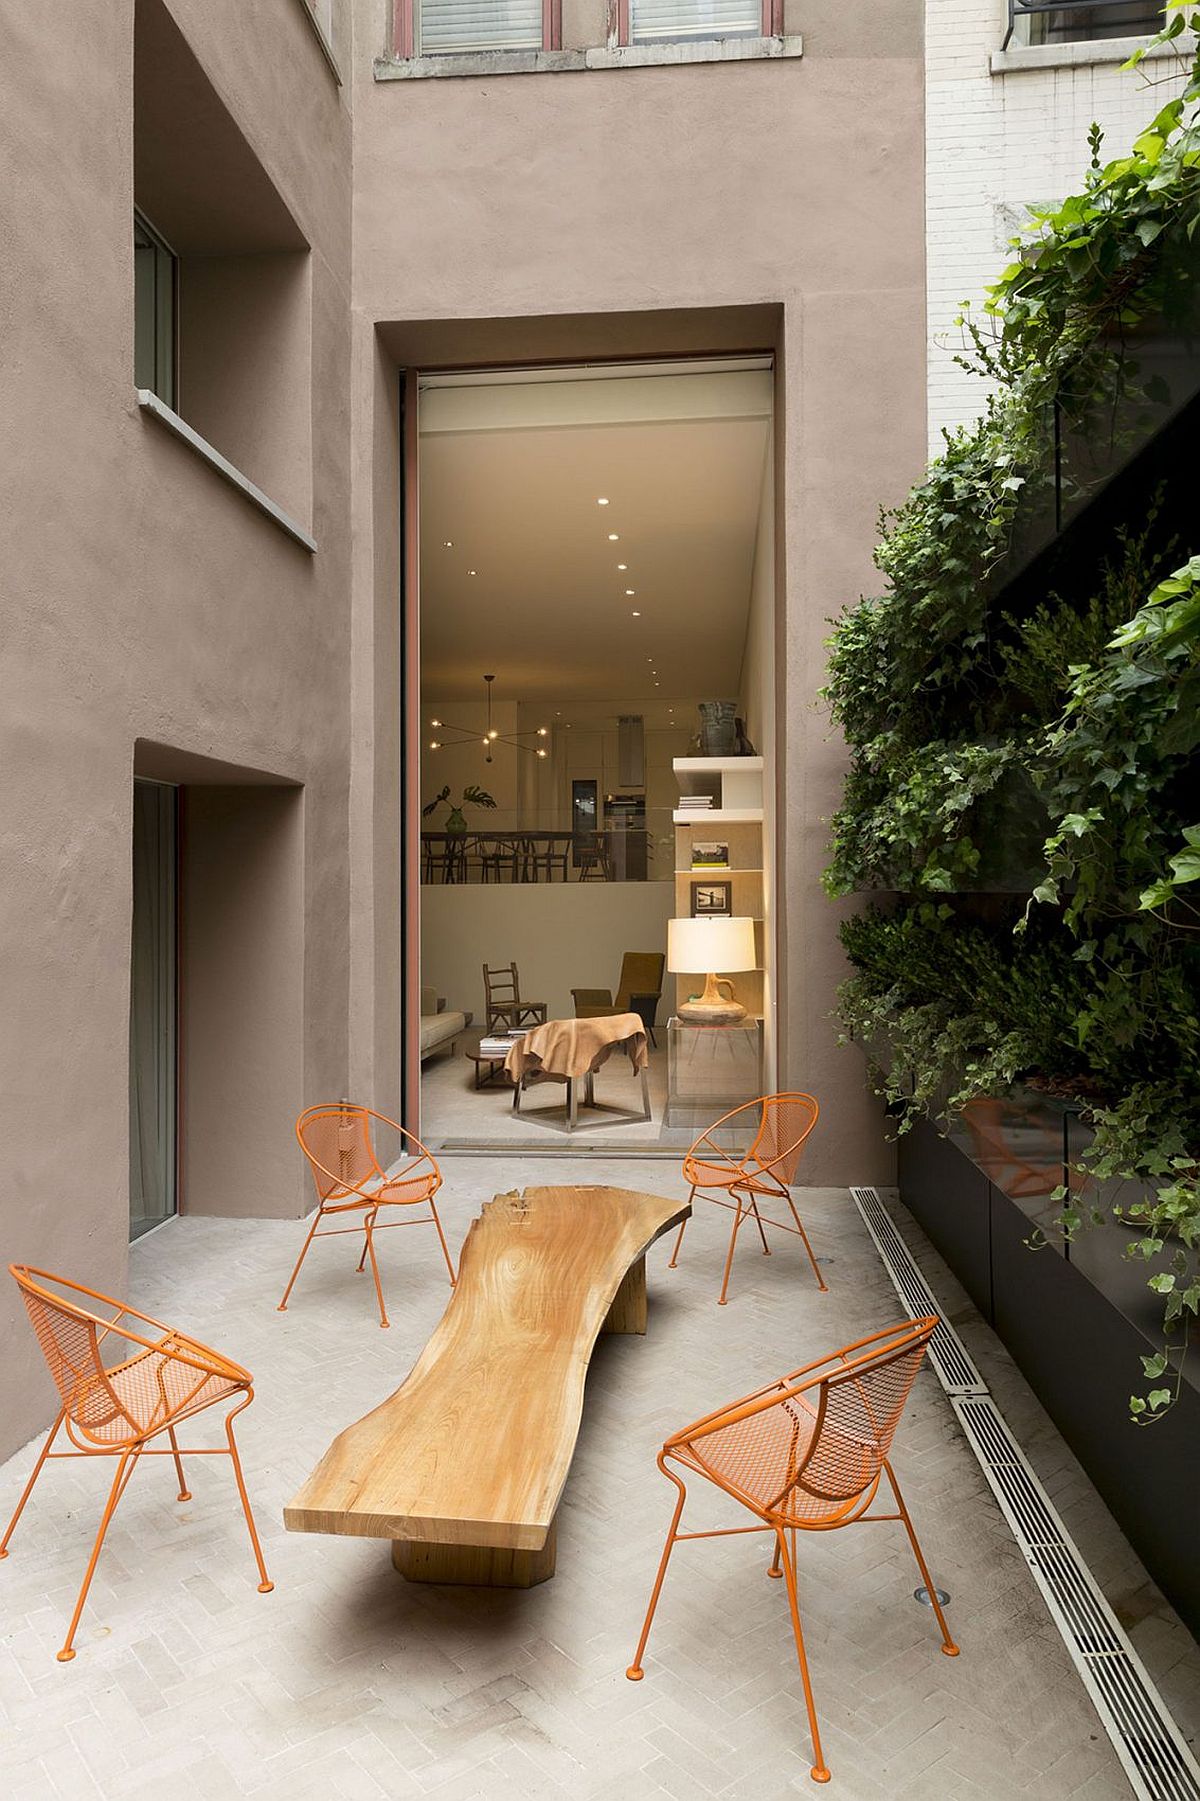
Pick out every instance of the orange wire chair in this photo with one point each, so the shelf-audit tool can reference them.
(806, 1454)
(336, 1139)
(115, 1411)
(767, 1168)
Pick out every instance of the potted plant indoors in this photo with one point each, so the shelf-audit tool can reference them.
(456, 820)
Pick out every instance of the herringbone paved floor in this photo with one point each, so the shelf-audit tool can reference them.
(347, 1682)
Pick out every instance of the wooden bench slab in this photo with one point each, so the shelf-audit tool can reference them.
(463, 1466)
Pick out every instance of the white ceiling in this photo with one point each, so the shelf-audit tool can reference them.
(511, 473)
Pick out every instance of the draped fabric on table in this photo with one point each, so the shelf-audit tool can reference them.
(572, 1047)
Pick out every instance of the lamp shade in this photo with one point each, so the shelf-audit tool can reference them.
(704, 946)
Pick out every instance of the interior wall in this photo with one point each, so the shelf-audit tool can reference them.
(242, 1001)
(560, 935)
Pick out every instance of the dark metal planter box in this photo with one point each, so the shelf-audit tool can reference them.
(1076, 1320)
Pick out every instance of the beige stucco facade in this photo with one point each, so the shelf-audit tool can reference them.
(157, 620)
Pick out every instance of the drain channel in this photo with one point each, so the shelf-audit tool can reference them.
(1153, 1752)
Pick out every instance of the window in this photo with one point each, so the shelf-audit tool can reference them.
(155, 307)
(458, 27)
(657, 21)
(1080, 21)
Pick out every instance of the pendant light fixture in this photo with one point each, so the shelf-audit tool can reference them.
(491, 737)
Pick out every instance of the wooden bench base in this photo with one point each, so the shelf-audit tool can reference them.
(480, 1566)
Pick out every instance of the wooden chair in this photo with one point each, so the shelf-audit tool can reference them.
(503, 1005)
(638, 991)
(767, 1168)
(115, 1410)
(594, 857)
(336, 1139)
(806, 1454)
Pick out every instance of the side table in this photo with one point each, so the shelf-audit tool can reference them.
(711, 1069)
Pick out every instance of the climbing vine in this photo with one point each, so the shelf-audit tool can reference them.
(1039, 746)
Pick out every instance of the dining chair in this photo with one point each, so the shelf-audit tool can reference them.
(116, 1409)
(805, 1454)
(502, 1003)
(336, 1140)
(768, 1168)
(594, 857)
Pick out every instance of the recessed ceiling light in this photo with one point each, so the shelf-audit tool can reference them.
(636, 614)
(622, 565)
(447, 543)
(470, 572)
(601, 502)
(631, 590)
(614, 537)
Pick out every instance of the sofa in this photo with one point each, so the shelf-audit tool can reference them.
(440, 1026)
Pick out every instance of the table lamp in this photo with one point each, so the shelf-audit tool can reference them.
(700, 946)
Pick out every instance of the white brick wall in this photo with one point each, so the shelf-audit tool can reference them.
(994, 144)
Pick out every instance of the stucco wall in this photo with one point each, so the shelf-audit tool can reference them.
(513, 215)
(146, 599)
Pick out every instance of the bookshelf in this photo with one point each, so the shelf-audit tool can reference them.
(735, 818)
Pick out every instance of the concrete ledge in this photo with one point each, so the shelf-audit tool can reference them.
(1084, 55)
(158, 409)
(567, 62)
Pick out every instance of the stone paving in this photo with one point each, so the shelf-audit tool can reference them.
(348, 1683)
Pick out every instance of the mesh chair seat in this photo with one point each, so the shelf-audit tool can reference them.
(757, 1459)
(403, 1191)
(140, 1396)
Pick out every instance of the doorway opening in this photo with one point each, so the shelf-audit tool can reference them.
(597, 606)
(153, 1007)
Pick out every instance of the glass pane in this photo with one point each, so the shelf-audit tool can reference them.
(694, 19)
(153, 312)
(152, 1009)
(446, 26)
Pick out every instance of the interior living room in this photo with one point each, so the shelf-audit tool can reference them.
(596, 612)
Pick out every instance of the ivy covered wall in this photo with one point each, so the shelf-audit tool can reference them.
(1022, 706)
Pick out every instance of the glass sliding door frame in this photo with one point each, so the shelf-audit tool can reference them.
(154, 1008)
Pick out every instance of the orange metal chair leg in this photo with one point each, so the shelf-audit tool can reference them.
(265, 1584)
(282, 1308)
(184, 1493)
(28, 1488)
(819, 1772)
(753, 1205)
(682, 1230)
(635, 1671)
(949, 1648)
(742, 1213)
(369, 1227)
(821, 1282)
(125, 1468)
(442, 1236)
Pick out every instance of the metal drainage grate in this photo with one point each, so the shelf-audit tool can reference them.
(947, 1353)
(1153, 1752)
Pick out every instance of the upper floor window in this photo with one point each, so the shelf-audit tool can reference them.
(458, 27)
(1081, 21)
(155, 304)
(673, 21)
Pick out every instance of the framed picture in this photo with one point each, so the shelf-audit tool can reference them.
(712, 900)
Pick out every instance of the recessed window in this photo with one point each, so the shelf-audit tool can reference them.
(1081, 21)
(155, 310)
(457, 27)
(657, 21)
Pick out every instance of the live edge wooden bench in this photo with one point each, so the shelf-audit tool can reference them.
(462, 1468)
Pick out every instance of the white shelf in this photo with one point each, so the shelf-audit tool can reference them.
(735, 783)
(719, 816)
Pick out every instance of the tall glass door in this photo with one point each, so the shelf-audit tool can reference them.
(152, 1007)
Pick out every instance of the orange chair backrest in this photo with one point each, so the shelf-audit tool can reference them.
(858, 1408)
(67, 1335)
(336, 1139)
(787, 1120)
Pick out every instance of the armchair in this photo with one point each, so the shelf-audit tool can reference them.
(638, 991)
